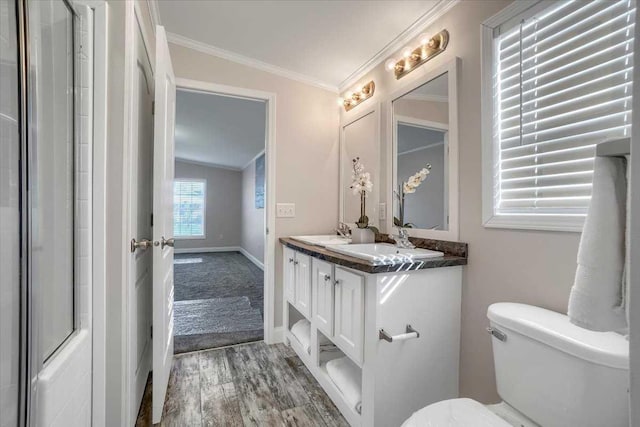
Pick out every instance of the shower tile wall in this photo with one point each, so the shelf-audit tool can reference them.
(9, 217)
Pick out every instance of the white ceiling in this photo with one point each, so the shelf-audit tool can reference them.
(323, 40)
(219, 130)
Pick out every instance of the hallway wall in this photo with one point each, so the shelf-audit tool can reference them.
(252, 233)
(223, 206)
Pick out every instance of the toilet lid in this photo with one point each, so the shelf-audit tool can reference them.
(455, 413)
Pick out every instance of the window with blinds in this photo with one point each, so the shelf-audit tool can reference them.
(562, 75)
(189, 208)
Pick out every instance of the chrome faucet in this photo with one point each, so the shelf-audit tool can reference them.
(343, 230)
(402, 239)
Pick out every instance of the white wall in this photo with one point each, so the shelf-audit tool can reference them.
(306, 144)
(223, 210)
(253, 228)
(504, 265)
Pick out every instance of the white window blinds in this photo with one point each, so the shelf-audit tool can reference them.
(562, 84)
(189, 208)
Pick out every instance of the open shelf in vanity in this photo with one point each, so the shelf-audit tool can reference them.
(346, 303)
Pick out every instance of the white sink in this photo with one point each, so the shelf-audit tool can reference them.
(384, 253)
(323, 240)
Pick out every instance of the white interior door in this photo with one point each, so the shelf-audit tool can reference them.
(163, 172)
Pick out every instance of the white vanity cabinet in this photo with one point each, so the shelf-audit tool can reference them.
(297, 280)
(354, 310)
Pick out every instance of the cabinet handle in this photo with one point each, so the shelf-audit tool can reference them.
(327, 277)
(290, 260)
(336, 282)
(408, 335)
(296, 262)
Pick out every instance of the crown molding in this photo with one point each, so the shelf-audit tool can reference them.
(207, 164)
(245, 60)
(442, 7)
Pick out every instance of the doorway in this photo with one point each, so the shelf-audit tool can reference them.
(220, 204)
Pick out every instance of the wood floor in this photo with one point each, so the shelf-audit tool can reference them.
(246, 385)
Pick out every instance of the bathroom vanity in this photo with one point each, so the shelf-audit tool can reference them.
(399, 323)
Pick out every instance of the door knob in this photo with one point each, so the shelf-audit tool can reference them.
(166, 242)
(142, 244)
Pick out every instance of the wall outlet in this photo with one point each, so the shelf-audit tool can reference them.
(382, 213)
(286, 210)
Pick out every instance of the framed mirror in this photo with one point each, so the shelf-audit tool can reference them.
(359, 138)
(424, 155)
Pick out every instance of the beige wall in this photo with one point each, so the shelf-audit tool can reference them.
(306, 144)
(252, 233)
(223, 206)
(504, 265)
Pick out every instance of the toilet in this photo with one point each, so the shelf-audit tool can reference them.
(549, 373)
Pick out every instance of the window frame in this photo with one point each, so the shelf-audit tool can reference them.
(490, 149)
(204, 209)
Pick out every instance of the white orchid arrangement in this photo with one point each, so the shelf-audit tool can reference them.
(409, 187)
(361, 185)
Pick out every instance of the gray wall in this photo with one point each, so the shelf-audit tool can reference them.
(253, 228)
(223, 208)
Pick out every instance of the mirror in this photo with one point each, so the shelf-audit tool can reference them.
(359, 138)
(421, 136)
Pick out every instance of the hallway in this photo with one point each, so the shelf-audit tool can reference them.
(246, 385)
(218, 301)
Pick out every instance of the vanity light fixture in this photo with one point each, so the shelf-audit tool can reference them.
(412, 59)
(355, 98)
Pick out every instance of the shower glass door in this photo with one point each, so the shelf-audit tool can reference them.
(51, 89)
(10, 287)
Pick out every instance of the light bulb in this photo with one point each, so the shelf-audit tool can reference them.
(406, 52)
(390, 64)
(423, 39)
(340, 102)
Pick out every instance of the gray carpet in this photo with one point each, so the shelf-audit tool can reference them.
(218, 300)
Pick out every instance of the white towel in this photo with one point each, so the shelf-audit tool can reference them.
(302, 331)
(348, 378)
(597, 297)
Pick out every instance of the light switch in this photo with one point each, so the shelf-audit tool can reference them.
(382, 215)
(286, 210)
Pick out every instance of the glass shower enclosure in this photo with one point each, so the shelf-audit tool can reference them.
(38, 131)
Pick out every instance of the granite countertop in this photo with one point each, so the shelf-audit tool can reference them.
(455, 254)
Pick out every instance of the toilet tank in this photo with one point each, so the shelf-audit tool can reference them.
(556, 373)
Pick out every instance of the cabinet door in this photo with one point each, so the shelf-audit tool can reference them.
(322, 296)
(349, 313)
(289, 274)
(303, 284)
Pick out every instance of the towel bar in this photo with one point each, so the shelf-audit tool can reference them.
(410, 334)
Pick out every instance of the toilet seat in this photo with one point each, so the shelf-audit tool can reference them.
(455, 413)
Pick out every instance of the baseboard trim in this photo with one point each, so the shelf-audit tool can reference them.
(214, 249)
(251, 258)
